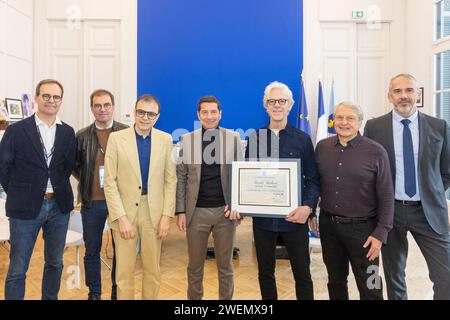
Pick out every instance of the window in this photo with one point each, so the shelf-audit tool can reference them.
(441, 49)
(442, 19)
(442, 85)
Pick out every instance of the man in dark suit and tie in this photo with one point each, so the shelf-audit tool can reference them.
(419, 153)
(37, 156)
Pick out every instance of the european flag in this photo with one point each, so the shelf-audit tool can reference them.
(303, 115)
(331, 129)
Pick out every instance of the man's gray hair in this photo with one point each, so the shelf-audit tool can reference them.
(354, 107)
(406, 76)
(278, 85)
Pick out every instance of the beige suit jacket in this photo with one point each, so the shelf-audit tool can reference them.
(123, 177)
(190, 164)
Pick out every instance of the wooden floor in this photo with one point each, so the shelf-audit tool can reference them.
(173, 266)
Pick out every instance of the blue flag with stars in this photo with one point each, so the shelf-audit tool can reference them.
(303, 115)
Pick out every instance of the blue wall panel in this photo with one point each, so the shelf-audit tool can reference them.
(231, 49)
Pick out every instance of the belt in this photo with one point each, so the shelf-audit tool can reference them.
(346, 220)
(49, 196)
(409, 203)
(144, 193)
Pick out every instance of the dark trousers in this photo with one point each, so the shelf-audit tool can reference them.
(297, 245)
(94, 219)
(434, 247)
(113, 270)
(342, 244)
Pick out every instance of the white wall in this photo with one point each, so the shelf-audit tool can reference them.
(411, 43)
(319, 17)
(419, 39)
(88, 45)
(16, 48)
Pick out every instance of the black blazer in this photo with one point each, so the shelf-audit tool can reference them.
(24, 172)
(434, 163)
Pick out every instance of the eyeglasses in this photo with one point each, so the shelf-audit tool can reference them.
(273, 102)
(106, 106)
(142, 114)
(47, 97)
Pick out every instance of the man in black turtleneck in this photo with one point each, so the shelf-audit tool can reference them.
(203, 193)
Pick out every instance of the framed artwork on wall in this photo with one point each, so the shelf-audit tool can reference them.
(14, 108)
(420, 103)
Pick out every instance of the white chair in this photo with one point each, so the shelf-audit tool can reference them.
(448, 208)
(74, 238)
(314, 243)
(106, 229)
(2, 209)
(4, 224)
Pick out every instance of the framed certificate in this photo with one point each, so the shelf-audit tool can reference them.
(266, 188)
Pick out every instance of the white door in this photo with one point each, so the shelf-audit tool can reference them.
(357, 56)
(81, 44)
(84, 59)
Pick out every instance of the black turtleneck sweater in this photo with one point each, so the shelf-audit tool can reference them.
(210, 194)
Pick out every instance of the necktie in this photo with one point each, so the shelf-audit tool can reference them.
(408, 160)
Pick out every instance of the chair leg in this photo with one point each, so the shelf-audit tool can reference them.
(105, 263)
(4, 245)
(78, 276)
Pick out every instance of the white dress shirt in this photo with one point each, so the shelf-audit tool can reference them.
(48, 138)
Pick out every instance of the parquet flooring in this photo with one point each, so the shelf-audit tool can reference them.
(174, 282)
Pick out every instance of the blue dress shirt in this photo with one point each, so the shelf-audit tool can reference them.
(144, 152)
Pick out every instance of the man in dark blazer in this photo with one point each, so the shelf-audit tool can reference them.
(37, 156)
(419, 153)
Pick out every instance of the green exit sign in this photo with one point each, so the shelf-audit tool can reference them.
(357, 14)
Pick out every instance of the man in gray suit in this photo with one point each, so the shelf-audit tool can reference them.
(419, 152)
(203, 192)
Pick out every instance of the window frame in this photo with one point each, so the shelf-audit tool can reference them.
(436, 38)
(439, 46)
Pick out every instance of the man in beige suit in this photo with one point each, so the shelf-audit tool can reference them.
(203, 192)
(140, 187)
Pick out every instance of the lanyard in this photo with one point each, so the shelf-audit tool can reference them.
(46, 155)
(100, 147)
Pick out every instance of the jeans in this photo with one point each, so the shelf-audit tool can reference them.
(297, 245)
(23, 235)
(94, 219)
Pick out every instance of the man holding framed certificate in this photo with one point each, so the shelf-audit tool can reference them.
(279, 187)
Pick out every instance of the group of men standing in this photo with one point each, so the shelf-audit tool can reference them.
(371, 191)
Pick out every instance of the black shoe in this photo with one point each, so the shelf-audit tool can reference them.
(94, 297)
